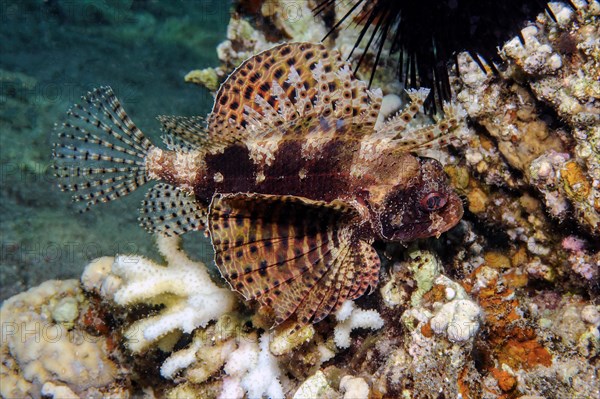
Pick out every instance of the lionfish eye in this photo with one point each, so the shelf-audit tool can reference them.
(433, 201)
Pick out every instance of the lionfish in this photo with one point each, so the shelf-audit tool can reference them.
(289, 175)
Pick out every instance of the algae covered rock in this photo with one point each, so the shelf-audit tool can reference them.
(45, 348)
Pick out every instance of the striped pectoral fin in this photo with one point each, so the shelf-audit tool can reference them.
(301, 295)
(367, 277)
(171, 211)
(355, 270)
(323, 296)
(295, 255)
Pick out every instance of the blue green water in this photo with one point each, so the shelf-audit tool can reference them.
(51, 53)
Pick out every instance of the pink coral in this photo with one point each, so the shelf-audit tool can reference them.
(573, 244)
(583, 267)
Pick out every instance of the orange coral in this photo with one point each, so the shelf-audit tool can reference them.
(519, 257)
(576, 183)
(524, 354)
(506, 381)
(516, 279)
(510, 341)
(426, 330)
(497, 260)
(463, 386)
(435, 294)
(478, 201)
(93, 318)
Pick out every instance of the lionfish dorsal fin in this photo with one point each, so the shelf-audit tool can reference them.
(297, 256)
(288, 82)
(400, 130)
(189, 133)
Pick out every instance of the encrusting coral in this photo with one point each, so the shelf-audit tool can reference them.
(556, 64)
(540, 116)
(46, 351)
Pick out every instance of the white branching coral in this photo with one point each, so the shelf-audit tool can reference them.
(203, 358)
(354, 387)
(252, 369)
(190, 298)
(351, 318)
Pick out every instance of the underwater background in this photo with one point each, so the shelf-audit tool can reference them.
(505, 305)
(53, 52)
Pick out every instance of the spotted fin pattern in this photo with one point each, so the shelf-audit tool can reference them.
(186, 134)
(171, 211)
(410, 138)
(295, 255)
(100, 153)
(287, 82)
(265, 98)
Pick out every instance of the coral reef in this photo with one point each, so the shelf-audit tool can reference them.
(46, 351)
(529, 177)
(419, 334)
(554, 65)
(183, 288)
(503, 306)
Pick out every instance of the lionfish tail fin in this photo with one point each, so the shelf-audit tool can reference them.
(99, 154)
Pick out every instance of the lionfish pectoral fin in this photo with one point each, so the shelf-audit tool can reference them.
(185, 133)
(408, 138)
(171, 211)
(294, 255)
(100, 153)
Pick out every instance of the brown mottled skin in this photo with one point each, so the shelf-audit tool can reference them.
(388, 197)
